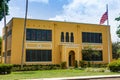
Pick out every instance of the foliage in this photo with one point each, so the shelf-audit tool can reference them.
(5, 68)
(95, 69)
(82, 64)
(35, 67)
(2, 8)
(114, 66)
(117, 19)
(89, 64)
(100, 65)
(118, 28)
(116, 50)
(88, 52)
(63, 65)
(76, 64)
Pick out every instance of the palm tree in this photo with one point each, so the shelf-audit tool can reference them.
(22, 56)
(4, 8)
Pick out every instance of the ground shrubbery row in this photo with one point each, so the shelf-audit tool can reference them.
(5, 68)
(35, 67)
(114, 66)
(8, 68)
(95, 69)
(85, 64)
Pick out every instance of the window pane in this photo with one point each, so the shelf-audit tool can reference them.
(90, 37)
(62, 36)
(67, 37)
(72, 37)
(28, 34)
(49, 34)
(84, 37)
(38, 55)
(33, 35)
(38, 35)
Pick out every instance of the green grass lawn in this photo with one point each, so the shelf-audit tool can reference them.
(50, 73)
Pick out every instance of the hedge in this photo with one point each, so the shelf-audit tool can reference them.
(5, 68)
(35, 67)
(114, 66)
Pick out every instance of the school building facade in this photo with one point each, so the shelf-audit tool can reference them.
(53, 42)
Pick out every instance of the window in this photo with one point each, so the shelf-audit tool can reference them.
(38, 35)
(28, 34)
(93, 57)
(43, 35)
(88, 37)
(72, 37)
(33, 35)
(9, 53)
(62, 36)
(9, 32)
(48, 35)
(67, 37)
(38, 55)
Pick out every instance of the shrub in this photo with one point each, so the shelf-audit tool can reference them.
(35, 67)
(89, 64)
(95, 69)
(63, 65)
(114, 66)
(100, 65)
(76, 64)
(82, 64)
(5, 68)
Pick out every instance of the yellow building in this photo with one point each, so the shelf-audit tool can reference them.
(53, 42)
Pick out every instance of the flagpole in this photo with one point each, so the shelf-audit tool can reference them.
(107, 14)
(108, 30)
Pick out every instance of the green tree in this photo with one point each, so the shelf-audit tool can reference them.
(2, 8)
(88, 52)
(116, 50)
(118, 28)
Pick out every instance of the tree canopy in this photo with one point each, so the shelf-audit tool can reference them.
(2, 8)
(116, 50)
(118, 29)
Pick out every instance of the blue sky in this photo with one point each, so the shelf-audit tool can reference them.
(82, 11)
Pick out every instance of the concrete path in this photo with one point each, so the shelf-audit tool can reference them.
(102, 77)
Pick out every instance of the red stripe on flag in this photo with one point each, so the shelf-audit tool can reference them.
(104, 17)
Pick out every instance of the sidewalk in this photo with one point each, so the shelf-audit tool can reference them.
(104, 77)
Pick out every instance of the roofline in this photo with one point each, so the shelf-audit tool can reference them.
(8, 23)
(57, 21)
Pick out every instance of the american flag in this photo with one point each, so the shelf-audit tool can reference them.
(104, 17)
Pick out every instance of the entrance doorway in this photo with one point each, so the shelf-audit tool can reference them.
(71, 58)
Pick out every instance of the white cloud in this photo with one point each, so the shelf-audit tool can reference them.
(41, 1)
(86, 11)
